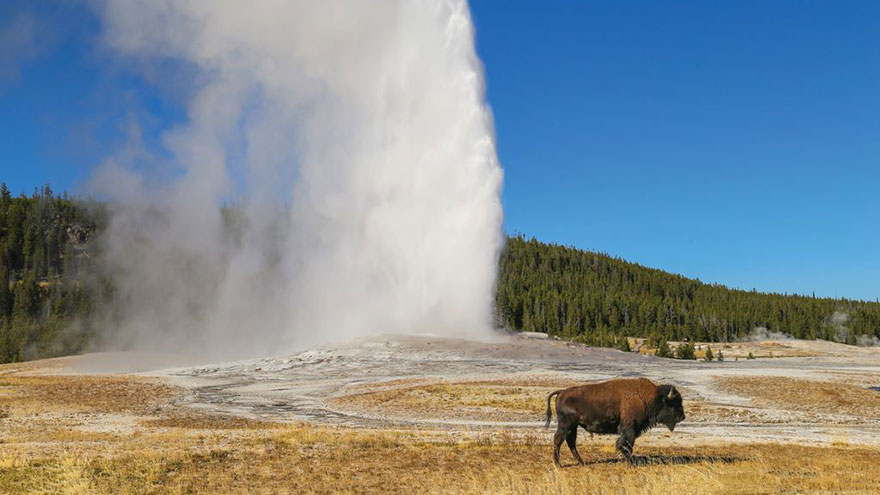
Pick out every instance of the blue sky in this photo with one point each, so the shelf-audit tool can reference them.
(737, 142)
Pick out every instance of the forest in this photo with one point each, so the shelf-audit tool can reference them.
(596, 298)
(54, 295)
(50, 290)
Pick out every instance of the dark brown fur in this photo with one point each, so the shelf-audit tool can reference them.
(627, 407)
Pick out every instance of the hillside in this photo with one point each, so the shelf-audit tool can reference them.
(596, 298)
(53, 293)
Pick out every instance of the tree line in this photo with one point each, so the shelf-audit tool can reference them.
(597, 299)
(48, 291)
(52, 293)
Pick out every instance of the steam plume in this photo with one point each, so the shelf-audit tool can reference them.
(763, 333)
(838, 321)
(357, 138)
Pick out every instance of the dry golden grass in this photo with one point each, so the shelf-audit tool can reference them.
(471, 400)
(201, 421)
(42, 366)
(303, 459)
(104, 393)
(516, 399)
(806, 395)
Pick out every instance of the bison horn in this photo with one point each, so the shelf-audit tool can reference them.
(672, 393)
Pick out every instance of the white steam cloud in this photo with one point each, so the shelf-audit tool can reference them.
(763, 333)
(843, 334)
(838, 321)
(357, 143)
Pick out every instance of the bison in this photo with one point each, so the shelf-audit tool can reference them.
(627, 407)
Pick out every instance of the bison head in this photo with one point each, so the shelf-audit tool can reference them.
(671, 411)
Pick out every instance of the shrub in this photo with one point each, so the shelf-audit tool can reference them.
(685, 351)
(663, 349)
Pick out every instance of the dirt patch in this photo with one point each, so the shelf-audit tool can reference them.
(855, 378)
(104, 393)
(806, 396)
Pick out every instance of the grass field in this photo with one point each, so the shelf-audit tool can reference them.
(122, 435)
(804, 395)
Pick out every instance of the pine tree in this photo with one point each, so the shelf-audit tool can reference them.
(663, 349)
(709, 356)
(685, 351)
(6, 297)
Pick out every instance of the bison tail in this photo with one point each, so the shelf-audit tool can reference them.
(549, 412)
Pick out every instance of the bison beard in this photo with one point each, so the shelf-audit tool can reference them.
(628, 407)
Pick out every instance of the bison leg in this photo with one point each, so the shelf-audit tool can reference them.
(625, 443)
(564, 427)
(557, 442)
(571, 439)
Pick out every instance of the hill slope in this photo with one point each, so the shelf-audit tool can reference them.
(594, 298)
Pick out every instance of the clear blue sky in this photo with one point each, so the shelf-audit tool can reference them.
(737, 141)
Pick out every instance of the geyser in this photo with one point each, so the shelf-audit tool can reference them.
(356, 142)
